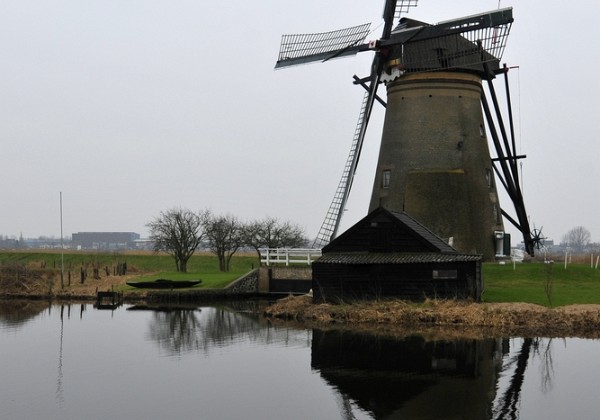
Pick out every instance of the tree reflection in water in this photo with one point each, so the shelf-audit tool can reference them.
(544, 351)
(175, 331)
(14, 314)
(184, 330)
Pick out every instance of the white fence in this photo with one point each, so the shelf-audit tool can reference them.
(288, 256)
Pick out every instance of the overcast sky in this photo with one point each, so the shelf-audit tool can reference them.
(132, 107)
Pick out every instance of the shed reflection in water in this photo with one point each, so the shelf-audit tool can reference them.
(410, 378)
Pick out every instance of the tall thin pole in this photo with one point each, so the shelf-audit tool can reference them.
(62, 248)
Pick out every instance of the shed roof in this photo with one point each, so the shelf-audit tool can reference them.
(425, 233)
(360, 258)
(404, 235)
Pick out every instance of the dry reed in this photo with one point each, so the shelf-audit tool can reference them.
(489, 319)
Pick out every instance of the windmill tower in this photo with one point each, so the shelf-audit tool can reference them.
(434, 160)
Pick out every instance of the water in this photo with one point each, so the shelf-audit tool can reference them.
(227, 362)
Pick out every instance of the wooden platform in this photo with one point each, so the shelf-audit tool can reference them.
(108, 300)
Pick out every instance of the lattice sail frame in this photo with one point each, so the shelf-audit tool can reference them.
(464, 43)
(305, 48)
(331, 223)
(466, 50)
(403, 7)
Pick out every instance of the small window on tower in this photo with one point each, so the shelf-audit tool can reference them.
(497, 214)
(385, 178)
(489, 178)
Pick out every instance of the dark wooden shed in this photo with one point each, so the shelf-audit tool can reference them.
(389, 254)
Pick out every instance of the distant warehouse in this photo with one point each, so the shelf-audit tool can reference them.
(105, 240)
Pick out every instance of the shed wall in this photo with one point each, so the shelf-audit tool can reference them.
(335, 282)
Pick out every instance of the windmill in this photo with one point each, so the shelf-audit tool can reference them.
(434, 160)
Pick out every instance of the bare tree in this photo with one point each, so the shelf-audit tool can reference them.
(178, 232)
(578, 238)
(272, 233)
(224, 236)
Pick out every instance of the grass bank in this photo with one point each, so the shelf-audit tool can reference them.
(528, 299)
(43, 270)
(550, 285)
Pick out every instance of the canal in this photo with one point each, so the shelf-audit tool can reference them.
(225, 361)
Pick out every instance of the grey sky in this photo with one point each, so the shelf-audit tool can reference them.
(133, 107)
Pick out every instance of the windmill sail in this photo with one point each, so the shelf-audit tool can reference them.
(331, 224)
(463, 43)
(403, 6)
(334, 214)
(307, 48)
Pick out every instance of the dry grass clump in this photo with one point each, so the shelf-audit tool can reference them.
(582, 317)
(21, 279)
(493, 318)
(27, 281)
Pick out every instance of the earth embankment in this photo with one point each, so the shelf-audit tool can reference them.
(485, 319)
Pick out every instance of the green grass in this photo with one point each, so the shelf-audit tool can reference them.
(135, 261)
(578, 283)
(149, 266)
(209, 280)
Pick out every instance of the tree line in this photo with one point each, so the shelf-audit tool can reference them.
(180, 232)
(579, 238)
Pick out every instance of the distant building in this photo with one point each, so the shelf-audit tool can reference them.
(105, 240)
(9, 243)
